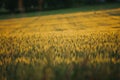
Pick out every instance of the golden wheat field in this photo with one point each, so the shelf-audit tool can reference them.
(74, 46)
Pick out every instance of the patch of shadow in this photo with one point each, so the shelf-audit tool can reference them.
(115, 13)
(88, 15)
(1, 29)
(115, 18)
(103, 24)
(116, 27)
(82, 28)
(59, 29)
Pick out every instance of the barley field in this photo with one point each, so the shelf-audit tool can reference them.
(74, 46)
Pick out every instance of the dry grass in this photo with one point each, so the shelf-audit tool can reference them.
(83, 38)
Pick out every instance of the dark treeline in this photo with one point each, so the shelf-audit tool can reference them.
(34, 5)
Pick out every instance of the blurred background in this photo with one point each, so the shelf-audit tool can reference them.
(20, 6)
